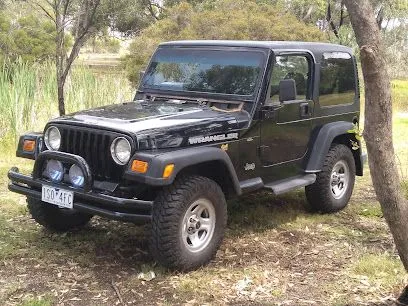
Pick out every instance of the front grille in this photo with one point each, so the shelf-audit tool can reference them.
(94, 146)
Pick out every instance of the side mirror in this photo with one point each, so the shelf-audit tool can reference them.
(287, 90)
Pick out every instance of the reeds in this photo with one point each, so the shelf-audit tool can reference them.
(28, 96)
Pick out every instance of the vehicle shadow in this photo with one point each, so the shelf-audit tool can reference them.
(261, 211)
(111, 243)
(101, 243)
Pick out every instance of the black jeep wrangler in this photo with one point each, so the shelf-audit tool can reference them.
(210, 120)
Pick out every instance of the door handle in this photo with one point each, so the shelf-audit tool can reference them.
(304, 110)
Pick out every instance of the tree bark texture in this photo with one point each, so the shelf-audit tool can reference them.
(60, 58)
(378, 123)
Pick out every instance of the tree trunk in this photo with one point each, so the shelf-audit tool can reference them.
(60, 59)
(61, 99)
(84, 27)
(378, 123)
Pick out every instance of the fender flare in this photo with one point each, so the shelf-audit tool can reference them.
(320, 144)
(181, 159)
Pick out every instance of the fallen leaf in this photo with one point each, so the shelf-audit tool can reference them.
(147, 276)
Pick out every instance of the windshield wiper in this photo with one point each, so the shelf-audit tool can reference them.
(178, 101)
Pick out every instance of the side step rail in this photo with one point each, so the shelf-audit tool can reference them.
(292, 183)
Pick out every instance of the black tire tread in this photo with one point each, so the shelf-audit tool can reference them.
(169, 207)
(317, 194)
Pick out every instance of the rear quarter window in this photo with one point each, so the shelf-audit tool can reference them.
(337, 79)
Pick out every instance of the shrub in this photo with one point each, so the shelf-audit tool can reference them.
(28, 38)
(240, 20)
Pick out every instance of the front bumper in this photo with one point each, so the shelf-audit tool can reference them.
(122, 209)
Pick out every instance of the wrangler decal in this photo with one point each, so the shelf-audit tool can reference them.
(221, 137)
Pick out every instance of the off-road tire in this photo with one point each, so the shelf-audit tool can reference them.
(169, 210)
(54, 218)
(320, 195)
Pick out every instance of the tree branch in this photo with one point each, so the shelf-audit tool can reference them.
(44, 10)
(330, 21)
(308, 13)
(80, 39)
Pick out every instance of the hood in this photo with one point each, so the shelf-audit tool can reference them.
(159, 120)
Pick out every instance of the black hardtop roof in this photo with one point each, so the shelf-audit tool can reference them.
(314, 47)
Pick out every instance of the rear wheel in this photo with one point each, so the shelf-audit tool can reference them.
(189, 219)
(334, 184)
(54, 218)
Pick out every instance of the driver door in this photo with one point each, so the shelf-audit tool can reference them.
(286, 125)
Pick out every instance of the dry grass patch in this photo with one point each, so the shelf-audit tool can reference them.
(381, 270)
(226, 285)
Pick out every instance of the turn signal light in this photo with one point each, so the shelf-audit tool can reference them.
(29, 145)
(168, 170)
(139, 166)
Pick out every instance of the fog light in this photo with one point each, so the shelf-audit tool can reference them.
(76, 176)
(54, 170)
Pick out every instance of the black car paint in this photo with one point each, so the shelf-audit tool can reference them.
(158, 120)
(152, 124)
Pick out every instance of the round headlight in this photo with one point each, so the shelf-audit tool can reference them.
(120, 150)
(76, 176)
(52, 138)
(54, 170)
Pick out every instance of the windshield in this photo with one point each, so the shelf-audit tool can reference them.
(209, 71)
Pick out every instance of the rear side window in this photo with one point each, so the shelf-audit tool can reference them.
(337, 79)
(294, 67)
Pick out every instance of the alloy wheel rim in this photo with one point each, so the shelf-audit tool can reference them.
(339, 179)
(198, 225)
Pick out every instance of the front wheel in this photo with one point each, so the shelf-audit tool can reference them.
(189, 219)
(54, 218)
(334, 184)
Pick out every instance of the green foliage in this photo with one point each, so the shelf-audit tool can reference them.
(241, 20)
(129, 16)
(29, 38)
(306, 10)
(357, 135)
(396, 43)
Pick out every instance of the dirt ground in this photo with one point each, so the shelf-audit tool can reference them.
(275, 253)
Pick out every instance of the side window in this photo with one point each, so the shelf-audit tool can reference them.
(294, 67)
(337, 79)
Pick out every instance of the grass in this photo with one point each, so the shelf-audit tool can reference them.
(370, 210)
(380, 270)
(28, 96)
(37, 302)
(400, 94)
